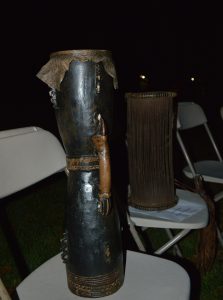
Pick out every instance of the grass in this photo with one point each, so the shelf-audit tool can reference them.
(36, 217)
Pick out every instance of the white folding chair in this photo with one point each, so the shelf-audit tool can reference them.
(146, 277)
(190, 213)
(191, 115)
(28, 155)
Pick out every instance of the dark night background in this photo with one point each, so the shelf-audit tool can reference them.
(167, 41)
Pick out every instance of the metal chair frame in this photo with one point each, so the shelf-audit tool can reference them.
(146, 219)
(191, 115)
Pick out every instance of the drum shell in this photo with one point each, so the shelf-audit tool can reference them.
(78, 106)
(150, 131)
(94, 242)
(92, 245)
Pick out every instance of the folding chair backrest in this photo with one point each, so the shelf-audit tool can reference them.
(190, 115)
(28, 155)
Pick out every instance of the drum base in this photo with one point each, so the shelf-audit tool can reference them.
(95, 286)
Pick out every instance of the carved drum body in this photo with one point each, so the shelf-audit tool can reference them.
(151, 119)
(82, 91)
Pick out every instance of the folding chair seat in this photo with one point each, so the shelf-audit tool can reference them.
(191, 115)
(146, 277)
(190, 213)
(31, 154)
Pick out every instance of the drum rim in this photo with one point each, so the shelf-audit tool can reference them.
(87, 52)
(152, 94)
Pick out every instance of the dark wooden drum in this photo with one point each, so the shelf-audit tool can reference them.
(150, 124)
(82, 86)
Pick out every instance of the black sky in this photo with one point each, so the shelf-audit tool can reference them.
(167, 40)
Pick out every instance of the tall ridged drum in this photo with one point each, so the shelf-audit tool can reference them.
(82, 84)
(150, 128)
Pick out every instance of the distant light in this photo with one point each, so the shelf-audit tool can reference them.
(142, 76)
(192, 79)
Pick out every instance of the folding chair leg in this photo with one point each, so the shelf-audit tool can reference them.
(220, 236)
(3, 292)
(169, 244)
(135, 235)
(176, 247)
(218, 196)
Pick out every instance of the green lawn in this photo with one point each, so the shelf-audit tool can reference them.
(37, 219)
